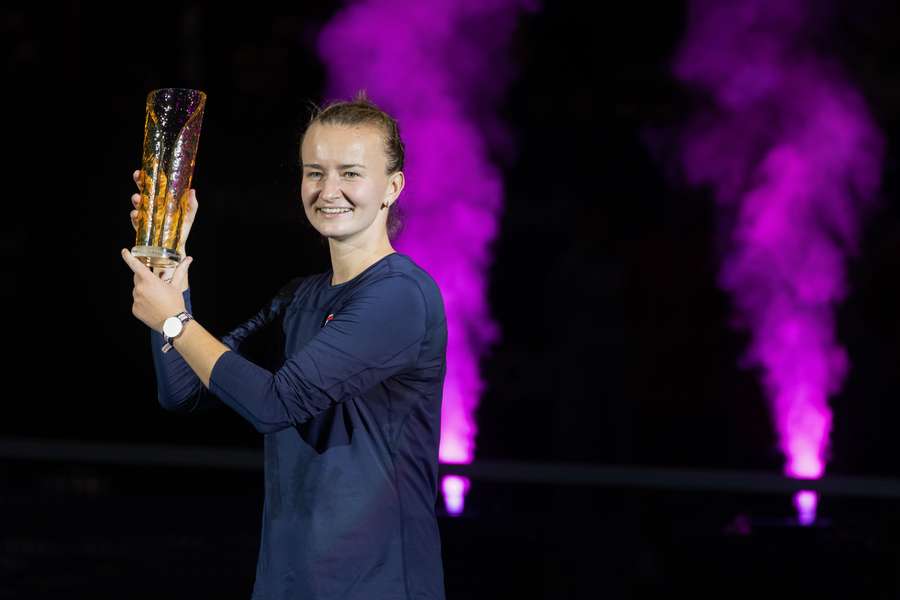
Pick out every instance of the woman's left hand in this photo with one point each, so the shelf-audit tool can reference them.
(155, 299)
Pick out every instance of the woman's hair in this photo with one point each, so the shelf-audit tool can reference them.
(362, 111)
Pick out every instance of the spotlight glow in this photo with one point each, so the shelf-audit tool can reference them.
(454, 488)
(805, 502)
(794, 160)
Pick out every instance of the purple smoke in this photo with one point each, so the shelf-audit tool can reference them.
(439, 67)
(794, 159)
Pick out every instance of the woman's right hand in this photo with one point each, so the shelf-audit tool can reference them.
(185, 226)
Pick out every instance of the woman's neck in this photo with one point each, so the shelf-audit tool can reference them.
(347, 262)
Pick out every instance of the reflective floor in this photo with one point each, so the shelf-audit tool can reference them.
(89, 531)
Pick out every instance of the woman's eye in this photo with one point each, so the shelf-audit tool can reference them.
(313, 175)
(351, 174)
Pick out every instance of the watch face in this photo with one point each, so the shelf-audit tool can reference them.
(172, 326)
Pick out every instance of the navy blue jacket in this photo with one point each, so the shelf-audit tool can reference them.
(351, 424)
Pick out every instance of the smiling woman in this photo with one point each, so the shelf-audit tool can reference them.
(352, 412)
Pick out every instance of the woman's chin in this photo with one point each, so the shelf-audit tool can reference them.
(336, 233)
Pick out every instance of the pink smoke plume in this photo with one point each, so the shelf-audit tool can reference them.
(439, 67)
(794, 159)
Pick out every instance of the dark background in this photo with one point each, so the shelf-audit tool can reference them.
(615, 349)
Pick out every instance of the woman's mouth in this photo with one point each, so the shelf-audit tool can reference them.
(331, 213)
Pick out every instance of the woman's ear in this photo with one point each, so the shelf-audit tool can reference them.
(395, 186)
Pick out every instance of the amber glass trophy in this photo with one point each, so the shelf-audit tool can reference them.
(171, 135)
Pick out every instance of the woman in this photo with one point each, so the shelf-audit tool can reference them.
(351, 419)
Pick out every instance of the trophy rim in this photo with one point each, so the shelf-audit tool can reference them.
(201, 93)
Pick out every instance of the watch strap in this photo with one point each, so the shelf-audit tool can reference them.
(184, 317)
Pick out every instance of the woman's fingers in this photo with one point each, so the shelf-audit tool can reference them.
(188, 218)
(135, 198)
(136, 202)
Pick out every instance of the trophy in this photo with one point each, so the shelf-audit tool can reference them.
(171, 134)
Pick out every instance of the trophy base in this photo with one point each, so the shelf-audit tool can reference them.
(154, 256)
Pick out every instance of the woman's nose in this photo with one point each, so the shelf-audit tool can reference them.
(331, 188)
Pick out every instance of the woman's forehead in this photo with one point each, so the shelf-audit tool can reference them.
(341, 144)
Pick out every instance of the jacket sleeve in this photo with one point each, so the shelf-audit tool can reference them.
(178, 387)
(377, 333)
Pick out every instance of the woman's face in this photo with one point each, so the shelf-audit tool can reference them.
(344, 181)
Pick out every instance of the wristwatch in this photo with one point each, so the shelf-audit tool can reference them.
(172, 328)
